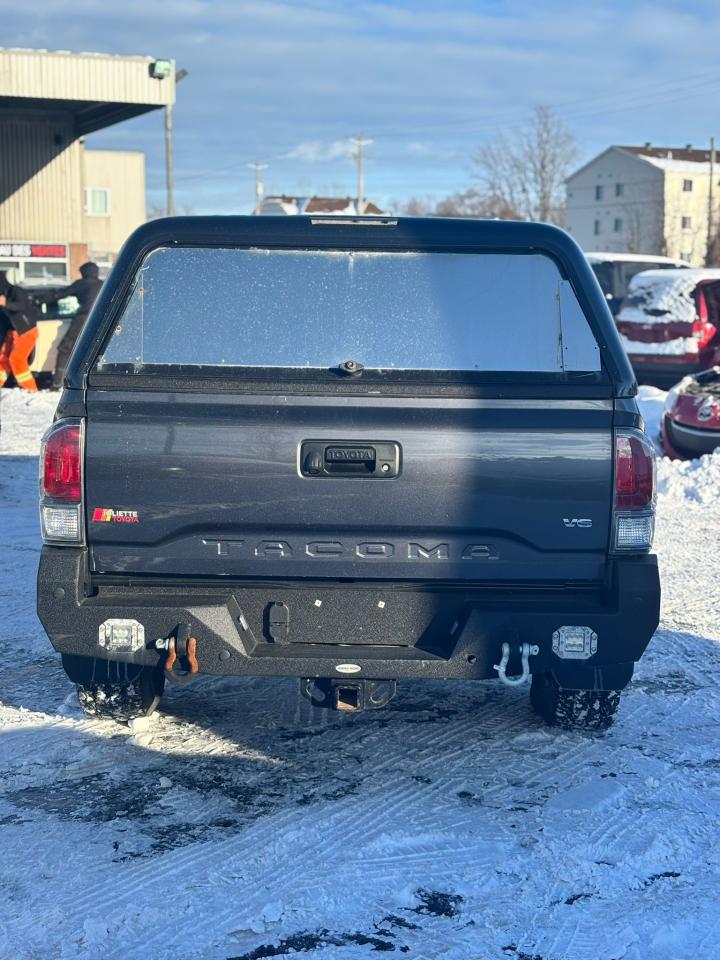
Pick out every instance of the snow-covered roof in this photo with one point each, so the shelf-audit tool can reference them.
(687, 153)
(597, 256)
(677, 166)
(336, 206)
(679, 159)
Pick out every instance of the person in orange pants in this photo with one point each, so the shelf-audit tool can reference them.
(18, 334)
(14, 354)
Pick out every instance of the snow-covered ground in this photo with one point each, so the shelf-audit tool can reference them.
(242, 823)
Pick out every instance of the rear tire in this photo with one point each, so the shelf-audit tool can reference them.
(122, 701)
(573, 709)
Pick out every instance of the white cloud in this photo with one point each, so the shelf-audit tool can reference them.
(319, 151)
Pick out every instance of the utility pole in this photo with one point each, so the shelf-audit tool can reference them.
(711, 229)
(360, 142)
(169, 180)
(169, 167)
(259, 188)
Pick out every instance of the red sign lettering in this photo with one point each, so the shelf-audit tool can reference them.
(48, 250)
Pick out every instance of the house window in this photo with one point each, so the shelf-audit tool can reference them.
(97, 201)
(596, 227)
(619, 189)
(686, 222)
(598, 193)
(685, 256)
(617, 224)
(687, 186)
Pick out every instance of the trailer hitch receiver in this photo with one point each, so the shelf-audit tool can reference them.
(348, 696)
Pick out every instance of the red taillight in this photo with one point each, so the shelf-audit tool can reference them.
(634, 473)
(62, 465)
(703, 331)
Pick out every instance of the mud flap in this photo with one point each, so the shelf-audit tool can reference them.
(613, 676)
(94, 670)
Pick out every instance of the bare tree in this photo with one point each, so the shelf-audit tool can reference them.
(527, 169)
(155, 212)
(415, 207)
(468, 203)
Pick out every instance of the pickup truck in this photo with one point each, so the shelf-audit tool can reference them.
(354, 452)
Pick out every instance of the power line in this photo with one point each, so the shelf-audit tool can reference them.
(590, 107)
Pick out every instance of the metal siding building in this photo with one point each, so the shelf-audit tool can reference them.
(48, 101)
(40, 178)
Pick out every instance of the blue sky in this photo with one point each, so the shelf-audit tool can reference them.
(287, 82)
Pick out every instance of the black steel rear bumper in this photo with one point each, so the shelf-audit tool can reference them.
(388, 631)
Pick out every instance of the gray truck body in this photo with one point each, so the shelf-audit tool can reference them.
(309, 520)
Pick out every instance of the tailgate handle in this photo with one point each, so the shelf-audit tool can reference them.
(337, 458)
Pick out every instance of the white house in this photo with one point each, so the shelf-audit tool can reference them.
(651, 200)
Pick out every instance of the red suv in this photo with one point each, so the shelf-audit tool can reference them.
(669, 323)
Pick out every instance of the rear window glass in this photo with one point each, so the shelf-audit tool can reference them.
(660, 295)
(319, 309)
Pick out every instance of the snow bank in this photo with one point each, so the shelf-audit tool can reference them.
(651, 401)
(696, 481)
(24, 418)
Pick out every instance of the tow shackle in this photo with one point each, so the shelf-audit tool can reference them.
(526, 651)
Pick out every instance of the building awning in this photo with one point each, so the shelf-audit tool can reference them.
(96, 90)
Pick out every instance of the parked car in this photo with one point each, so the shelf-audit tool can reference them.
(615, 271)
(337, 466)
(691, 421)
(669, 323)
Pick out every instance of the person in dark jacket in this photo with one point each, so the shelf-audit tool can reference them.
(85, 290)
(18, 334)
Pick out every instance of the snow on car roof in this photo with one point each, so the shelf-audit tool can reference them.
(656, 296)
(610, 257)
(682, 275)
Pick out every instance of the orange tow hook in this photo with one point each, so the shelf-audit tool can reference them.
(179, 649)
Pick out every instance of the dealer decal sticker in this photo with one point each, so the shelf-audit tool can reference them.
(108, 515)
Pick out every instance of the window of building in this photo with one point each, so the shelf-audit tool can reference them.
(598, 193)
(97, 201)
(687, 186)
(685, 256)
(596, 227)
(619, 189)
(617, 224)
(686, 222)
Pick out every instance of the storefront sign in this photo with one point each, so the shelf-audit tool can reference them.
(34, 251)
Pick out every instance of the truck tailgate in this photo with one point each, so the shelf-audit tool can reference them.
(208, 484)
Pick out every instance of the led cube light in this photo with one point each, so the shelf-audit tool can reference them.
(121, 635)
(574, 642)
